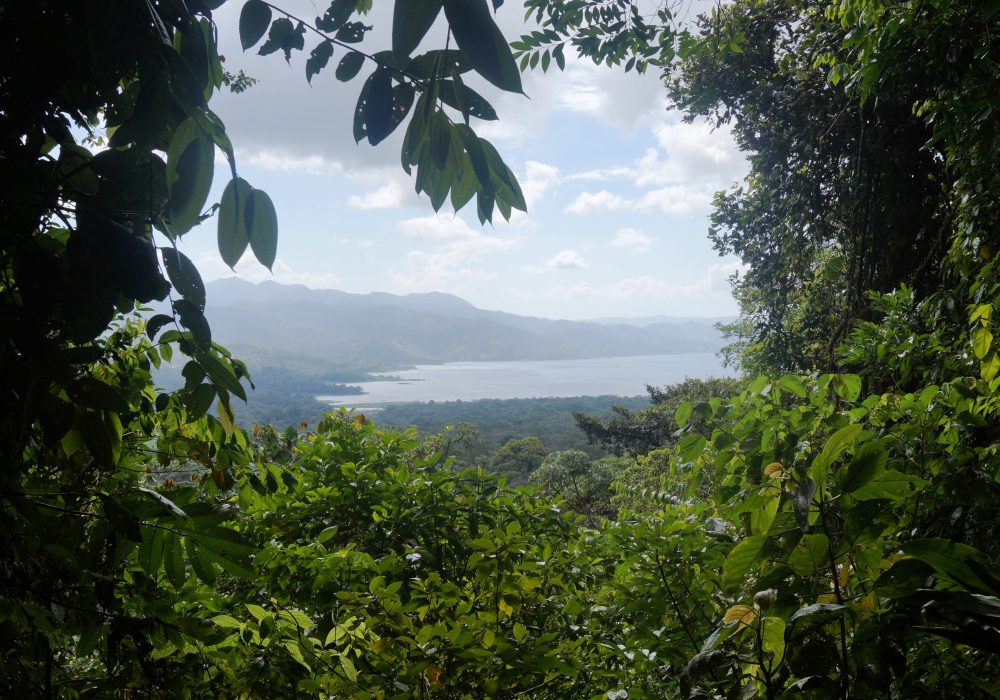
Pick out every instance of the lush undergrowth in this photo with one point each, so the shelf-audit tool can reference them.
(828, 529)
(798, 540)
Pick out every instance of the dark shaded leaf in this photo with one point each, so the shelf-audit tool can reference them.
(410, 21)
(156, 323)
(254, 20)
(349, 66)
(190, 167)
(375, 103)
(194, 320)
(123, 522)
(479, 37)
(466, 100)
(817, 613)
(352, 32)
(184, 276)
(93, 393)
(318, 59)
(335, 16)
(199, 401)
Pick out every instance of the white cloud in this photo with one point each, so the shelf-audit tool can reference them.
(391, 195)
(457, 247)
(284, 160)
(698, 151)
(677, 200)
(616, 173)
(607, 94)
(538, 179)
(567, 260)
(719, 275)
(611, 95)
(588, 202)
(212, 267)
(436, 228)
(715, 280)
(581, 290)
(632, 240)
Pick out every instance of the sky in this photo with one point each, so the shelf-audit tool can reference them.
(618, 191)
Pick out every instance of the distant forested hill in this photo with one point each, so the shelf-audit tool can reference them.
(383, 331)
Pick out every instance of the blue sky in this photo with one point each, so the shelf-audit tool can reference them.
(618, 191)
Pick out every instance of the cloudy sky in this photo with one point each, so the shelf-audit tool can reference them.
(618, 190)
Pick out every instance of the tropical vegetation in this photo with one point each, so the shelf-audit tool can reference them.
(828, 528)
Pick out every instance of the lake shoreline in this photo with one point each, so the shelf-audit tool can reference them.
(530, 379)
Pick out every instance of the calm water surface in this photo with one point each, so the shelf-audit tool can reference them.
(469, 381)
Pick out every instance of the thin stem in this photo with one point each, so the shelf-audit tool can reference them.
(844, 662)
(685, 624)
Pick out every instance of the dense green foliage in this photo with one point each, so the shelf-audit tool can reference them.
(636, 433)
(833, 535)
(107, 155)
(498, 421)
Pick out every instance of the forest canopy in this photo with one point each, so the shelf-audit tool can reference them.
(827, 527)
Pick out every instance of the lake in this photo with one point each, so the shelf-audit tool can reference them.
(470, 381)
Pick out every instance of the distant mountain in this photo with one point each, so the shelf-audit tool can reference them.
(380, 330)
(644, 321)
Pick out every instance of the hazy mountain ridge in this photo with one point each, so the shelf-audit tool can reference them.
(397, 330)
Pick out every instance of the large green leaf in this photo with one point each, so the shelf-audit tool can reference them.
(959, 562)
(869, 461)
(263, 227)
(234, 231)
(890, 484)
(184, 276)
(221, 374)
(173, 559)
(190, 167)
(199, 401)
(740, 559)
(151, 549)
(482, 42)
(254, 20)
(773, 641)
(194, 320)
(810, 555)
(375, 106)
(410, 21)
(93, 393)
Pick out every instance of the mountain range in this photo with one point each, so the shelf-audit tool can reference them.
(293, 324)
